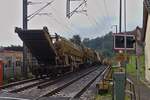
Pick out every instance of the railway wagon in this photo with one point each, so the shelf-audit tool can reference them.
(97, 57)
(68, 53)
(55, 54)
(106, 61)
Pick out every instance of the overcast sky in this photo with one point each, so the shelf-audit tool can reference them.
(101, 14)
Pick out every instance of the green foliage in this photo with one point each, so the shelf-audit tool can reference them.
(14, 48)
(76, 39)
(131, 66)
(102, 44)
(104, 97)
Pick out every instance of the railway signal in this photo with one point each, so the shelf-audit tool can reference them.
(123, 41)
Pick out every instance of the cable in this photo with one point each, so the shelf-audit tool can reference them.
(62, 25)
(109, 21)
(38, 11)
(65, 24)
(95, 22)
(103, 21)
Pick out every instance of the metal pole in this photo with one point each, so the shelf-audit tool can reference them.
(125, 41)
(25, 26)
(120, 16)
(137, 72)
(115, 27)
(25, 9)
(125, 22)
(125, 33)
(68, 9)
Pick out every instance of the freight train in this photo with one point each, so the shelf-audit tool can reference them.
(55, 54)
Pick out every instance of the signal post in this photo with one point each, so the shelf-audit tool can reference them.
(122, 42)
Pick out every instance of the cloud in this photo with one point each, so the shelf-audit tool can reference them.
(101, 15)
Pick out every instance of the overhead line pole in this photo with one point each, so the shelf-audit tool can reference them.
(69, 13)
(120, 19)
(25, 16)
(25, 26)
(125, 36)
(68, 9)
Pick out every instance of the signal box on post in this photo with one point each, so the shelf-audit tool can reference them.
(123, 41)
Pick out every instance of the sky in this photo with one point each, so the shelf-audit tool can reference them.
(100, 16)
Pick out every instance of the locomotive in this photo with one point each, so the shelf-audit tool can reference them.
(55, 54)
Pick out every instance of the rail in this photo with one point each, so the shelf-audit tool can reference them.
(131, 90)
(106, 74)
(102, 74)
(18, 83)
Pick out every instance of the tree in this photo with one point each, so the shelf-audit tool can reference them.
(14, 48)
(103, 44)
(76, 39)
(86, 41)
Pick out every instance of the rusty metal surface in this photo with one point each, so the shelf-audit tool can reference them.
(39, 44)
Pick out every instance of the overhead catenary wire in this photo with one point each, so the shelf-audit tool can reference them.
(38, 13)
(71, 13)
(96, 24)
(104, 22)
(108, 14)
(69, 26)
(39, 10)
(105, 11)
(93, 20)
(62, 25)
(105, 5)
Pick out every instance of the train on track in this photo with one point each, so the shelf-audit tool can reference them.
(55, 54)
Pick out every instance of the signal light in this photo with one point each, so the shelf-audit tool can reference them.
(119, 42)
(130, 42)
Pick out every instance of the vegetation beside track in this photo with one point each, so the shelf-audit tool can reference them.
(104, 97)
(131, 66)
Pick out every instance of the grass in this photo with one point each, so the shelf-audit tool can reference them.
(103, 97)
(131, 70)
(16, 78)
(108, 97)
(131, 66)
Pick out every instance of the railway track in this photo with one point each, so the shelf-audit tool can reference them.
(28, 86)
(18, 83)
(90, 92)
(50, 93)
(76, 89)
(84, 89)
(71, 86)
(61, 86)
(30, 83)
(37, 92)
(22, 85)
